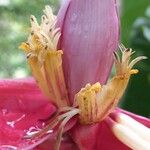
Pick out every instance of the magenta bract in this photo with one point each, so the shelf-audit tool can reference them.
(22, 108)
(99, 136)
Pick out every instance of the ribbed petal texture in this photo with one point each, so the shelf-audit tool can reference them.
(90, 32)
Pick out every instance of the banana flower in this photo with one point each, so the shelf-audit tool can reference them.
(71, 56)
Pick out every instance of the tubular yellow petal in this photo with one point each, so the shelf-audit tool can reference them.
(111, 93)
(44, 58)
(96, 102)
(55, 78)
(39, 76)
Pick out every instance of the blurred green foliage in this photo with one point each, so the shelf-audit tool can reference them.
(131, 10)
(137, 97)
(135, 33)
(14, 28)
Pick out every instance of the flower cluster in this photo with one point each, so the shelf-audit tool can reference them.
(70, 56)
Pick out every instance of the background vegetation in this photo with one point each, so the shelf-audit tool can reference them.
(135, 25)
(135, 32)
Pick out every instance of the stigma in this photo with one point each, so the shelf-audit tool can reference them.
(44, 59)
(96, 102)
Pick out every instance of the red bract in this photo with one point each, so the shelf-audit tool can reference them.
(23, 107)
(100, 136)
(18, 114)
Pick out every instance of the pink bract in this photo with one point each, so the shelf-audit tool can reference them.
(99, 136)
(90, 32)
(22, 106)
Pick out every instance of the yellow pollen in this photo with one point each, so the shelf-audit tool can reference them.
(86, 100)
(134, 71)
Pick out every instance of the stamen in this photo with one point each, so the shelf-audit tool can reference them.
(86, 100)
(64, 109)
(50, 126)
(134, 61)
(61, 127)
(117, 56)
(60, 119)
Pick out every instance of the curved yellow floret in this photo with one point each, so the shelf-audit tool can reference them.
(45, 59)
(95, 102)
